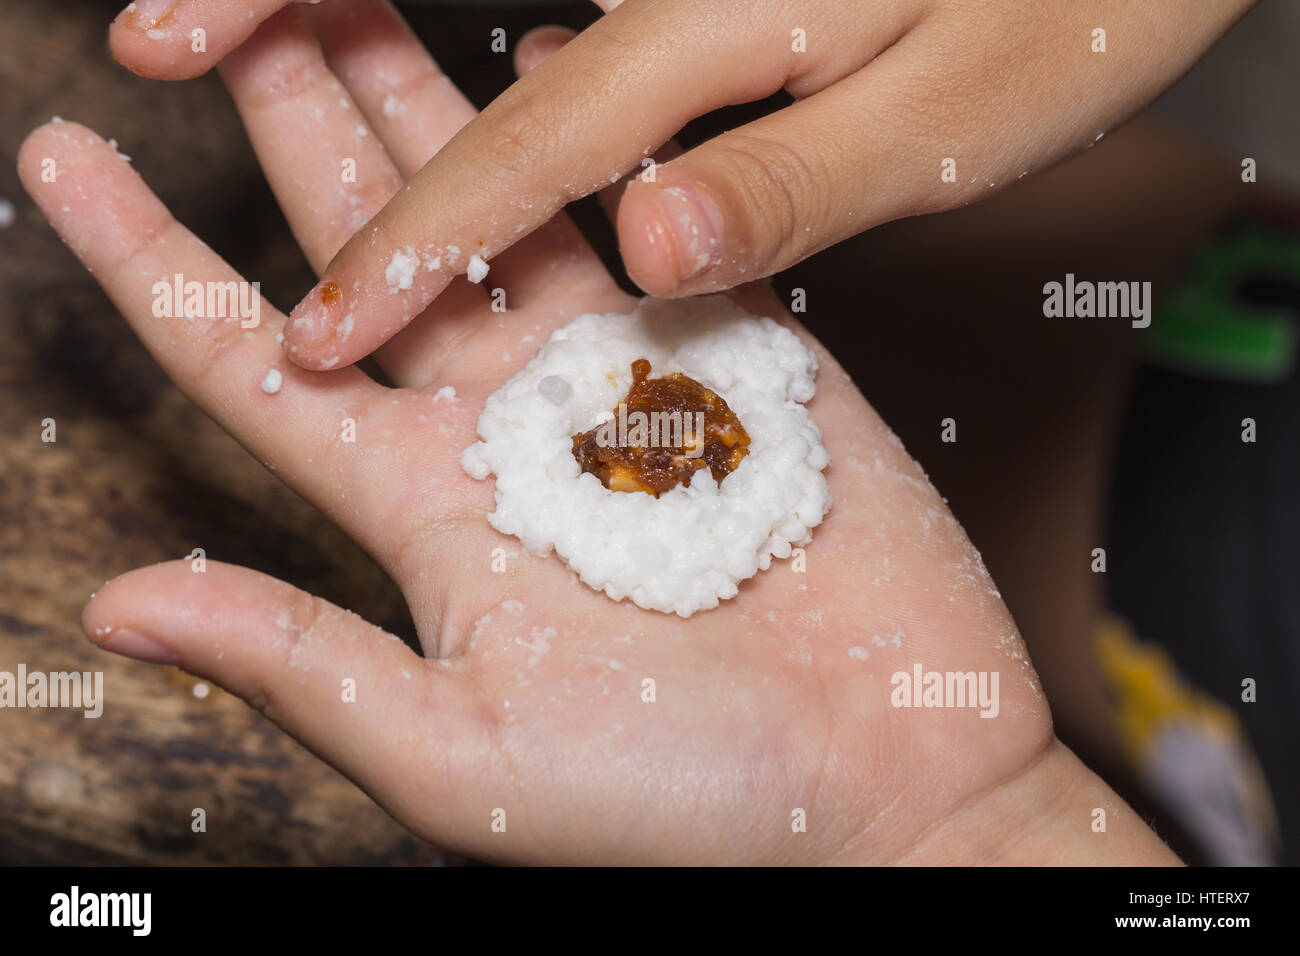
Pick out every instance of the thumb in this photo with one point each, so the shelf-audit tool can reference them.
(746, 204)
(355, 695)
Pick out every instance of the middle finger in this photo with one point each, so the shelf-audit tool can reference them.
(330, 172)
(416, 110)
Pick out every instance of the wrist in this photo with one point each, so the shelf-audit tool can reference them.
(1054, 812)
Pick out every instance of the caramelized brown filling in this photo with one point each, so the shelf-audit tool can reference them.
(654, 441)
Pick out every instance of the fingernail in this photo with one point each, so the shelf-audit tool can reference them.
(307, 329)
(694, 224)
(312, 323)
(128, 643)
(147, 14)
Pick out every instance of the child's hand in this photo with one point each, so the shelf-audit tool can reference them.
(546, 722)
(893, 95)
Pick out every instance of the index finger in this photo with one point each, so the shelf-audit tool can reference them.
(569, 128)
(179, 39)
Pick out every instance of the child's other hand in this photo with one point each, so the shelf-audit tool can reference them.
(888, 93)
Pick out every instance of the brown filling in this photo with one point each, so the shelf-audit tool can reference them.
(662, 450)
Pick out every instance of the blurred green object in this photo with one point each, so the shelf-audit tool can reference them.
(1234, 313)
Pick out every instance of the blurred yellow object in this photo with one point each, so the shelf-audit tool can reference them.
(1190, 750)
(1149, 693)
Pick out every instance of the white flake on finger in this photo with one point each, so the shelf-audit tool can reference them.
(400, 273)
